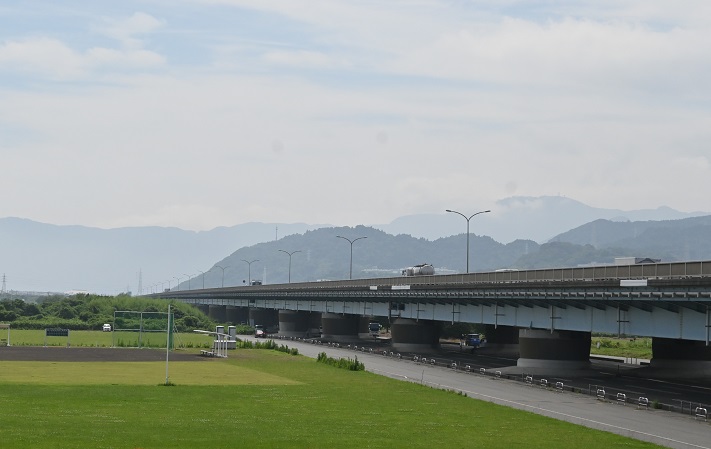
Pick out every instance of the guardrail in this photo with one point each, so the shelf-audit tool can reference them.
(697, 410)
(701, 413)
(654, 271)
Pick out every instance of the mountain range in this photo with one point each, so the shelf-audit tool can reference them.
(44, 257)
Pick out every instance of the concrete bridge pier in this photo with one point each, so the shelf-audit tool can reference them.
(543, 350)
(680, 358)
(269, 318)
(414, 336)
(293, 323)
(502, 340)
(342, 328)
(217, 313)
(237, 315)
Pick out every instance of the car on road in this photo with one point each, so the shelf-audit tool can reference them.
(106, 328)
(374, 329)
(259, 331)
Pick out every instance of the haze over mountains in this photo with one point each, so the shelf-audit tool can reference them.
(45, 257)
(534, 218)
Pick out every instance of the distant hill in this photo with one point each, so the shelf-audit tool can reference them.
(43, 257)
(672, 240)
(325, 256)
(527, 218)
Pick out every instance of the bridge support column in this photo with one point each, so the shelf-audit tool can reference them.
(217, 313)
(501, 340)
(341, 328)
(237, 315)
(269, 318)
(559, 350)
(681, 358)
(363, 329)
(293, 323)
(414, 336)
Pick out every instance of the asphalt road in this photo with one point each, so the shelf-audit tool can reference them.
(665, 428)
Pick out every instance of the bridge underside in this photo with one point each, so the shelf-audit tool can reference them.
(612, 318)
(546, 321)
(538, 350)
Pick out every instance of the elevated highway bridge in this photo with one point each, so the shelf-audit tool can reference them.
(546, 315)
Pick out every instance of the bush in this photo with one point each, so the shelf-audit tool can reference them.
(269, 344)
(349, 364)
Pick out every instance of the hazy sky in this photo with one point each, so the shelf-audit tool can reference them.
(205, 113)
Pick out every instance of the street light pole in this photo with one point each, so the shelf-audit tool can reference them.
(468, 218)
(249, 268)
(203, 279)
(223, 274)
(289, 253)
(350, 272)
(188, 275)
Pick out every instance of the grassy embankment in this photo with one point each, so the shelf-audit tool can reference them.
(258, 398)
(639, 348)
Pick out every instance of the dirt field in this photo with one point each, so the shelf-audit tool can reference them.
(63, 354)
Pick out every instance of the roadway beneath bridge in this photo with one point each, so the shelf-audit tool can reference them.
(670, 429)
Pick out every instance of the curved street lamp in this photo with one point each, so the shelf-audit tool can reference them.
(223, 273)
(289, 253)
(350, 272)
(177, 286)
(188, 275)
(249, 269)
(468, 218)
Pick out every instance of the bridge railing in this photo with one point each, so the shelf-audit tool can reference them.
(593, 273)
(602, 273)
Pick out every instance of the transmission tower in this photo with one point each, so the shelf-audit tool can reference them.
(140, 282)
(4, 284)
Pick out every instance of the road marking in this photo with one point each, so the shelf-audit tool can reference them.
(656, 390)
(698, 387)
(571, 418)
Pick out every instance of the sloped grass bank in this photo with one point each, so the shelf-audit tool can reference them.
(312, 406)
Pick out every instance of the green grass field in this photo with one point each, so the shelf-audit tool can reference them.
(98, 339)
(640, 348)
(258, 399)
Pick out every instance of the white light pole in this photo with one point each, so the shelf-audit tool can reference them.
(223, 274)
(188, 275)
(249, 269)
(203, 279)
(289, 253)
(350, 272)
(468, 218)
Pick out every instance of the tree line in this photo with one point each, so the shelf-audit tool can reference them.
(90, 312)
